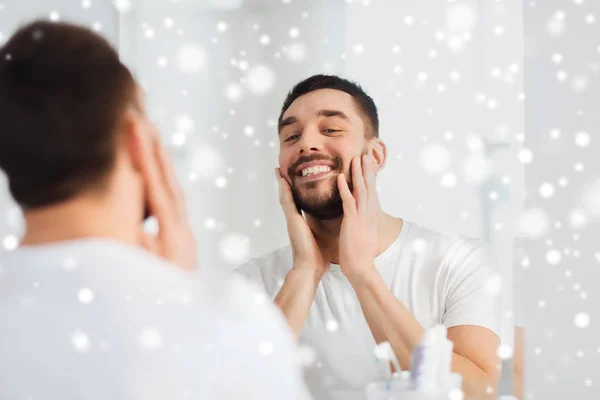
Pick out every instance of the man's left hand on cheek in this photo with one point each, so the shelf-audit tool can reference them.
(358, 234)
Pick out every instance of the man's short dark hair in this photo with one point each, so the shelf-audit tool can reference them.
(365, 103)
(63, 93)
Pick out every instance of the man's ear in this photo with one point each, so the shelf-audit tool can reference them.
(378, 151)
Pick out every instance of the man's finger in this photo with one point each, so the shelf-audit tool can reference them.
(358, 181)
(348, 201)
(172, 185)
(369, 176)
(286, 199)
(158, 199)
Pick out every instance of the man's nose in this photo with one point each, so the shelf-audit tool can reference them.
(310, 141)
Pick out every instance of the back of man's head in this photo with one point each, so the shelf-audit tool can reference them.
(63, 93)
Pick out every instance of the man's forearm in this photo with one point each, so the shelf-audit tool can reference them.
(386, 314)
(477, 384)
(297, 295)
(388, 317)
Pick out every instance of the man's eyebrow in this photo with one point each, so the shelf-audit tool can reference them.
(333, 113)
(287, 121)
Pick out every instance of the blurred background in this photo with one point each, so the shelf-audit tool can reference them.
(446, 75)
(559, 267)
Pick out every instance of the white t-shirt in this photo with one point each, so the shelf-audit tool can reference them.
(439, 278)
(96, 319)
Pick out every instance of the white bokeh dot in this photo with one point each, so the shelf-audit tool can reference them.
(448, 180)
(264, 39)
(553, 257)
(562, 76)
(562, 181)
(296, 52)
(555, 25)
(162, 62)
(123, 6)
(85, 295)
(265, 348)
(184, 122)
(191, 58)
(579, 83)
(419, 245)
(210, 224)
(525, 156)
(222, 26)
(69, 263)
(221, 182)
(582, 139)
(205, 161)
(557, 58)
(10, 242)
(494, 285)
(582, 320)
(477, 168)
(234, 248)
(306, 355)
(260, 79)
(577, 218)
(248, 130)
(80, 341)
(151, 338)
(435, 159)
(456, 394)
(233, 92)
(546, 190)
(332, 325)
(505, 351)
(460, 17)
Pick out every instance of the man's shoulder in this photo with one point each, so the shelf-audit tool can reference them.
(444, 242)
(268, 270)
(447, 250)
(278, 259)
(96, 260)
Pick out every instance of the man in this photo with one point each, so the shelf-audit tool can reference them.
(354, 276)
(87, 313)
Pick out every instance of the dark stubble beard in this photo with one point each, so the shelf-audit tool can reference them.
(320, 204)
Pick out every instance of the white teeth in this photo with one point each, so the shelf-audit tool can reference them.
(315, 170)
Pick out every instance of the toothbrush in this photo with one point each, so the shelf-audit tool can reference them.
(384, 351)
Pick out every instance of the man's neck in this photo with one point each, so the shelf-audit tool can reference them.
(83, 217)
(327, 233)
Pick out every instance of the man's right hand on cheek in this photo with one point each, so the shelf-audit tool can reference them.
(175, 240)
(305, 250)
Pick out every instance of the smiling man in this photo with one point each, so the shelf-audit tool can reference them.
(353, 275)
